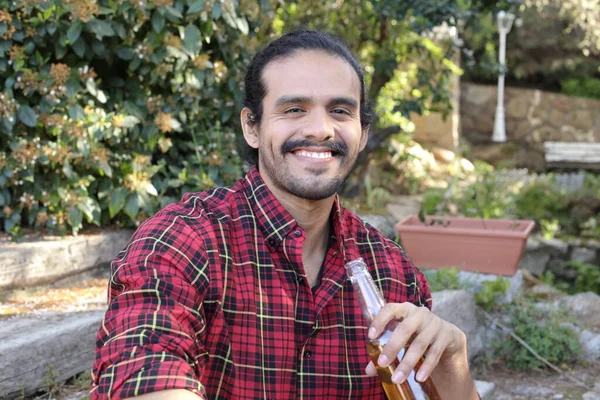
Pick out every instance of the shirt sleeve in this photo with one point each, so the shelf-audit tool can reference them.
(152, 335)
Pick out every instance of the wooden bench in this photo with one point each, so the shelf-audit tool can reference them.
(572, 155)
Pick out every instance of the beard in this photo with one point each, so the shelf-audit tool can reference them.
(316, 186)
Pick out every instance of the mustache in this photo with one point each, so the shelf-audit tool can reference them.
(335, 147)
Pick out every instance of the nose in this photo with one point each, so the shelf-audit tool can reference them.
(319, 126)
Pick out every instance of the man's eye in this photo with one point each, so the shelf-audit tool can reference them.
(340, 111)
(293, 110)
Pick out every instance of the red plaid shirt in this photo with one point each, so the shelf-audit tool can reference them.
(210, 295)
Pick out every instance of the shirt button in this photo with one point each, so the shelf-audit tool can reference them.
(307, 354)
(272, 242)
(300, 278)
(297, 233)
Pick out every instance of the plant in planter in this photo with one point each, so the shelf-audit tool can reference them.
(487, 244)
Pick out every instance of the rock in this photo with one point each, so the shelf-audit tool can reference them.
(444, 156)
(591, 396)
(467, 165)
(584, 255)
(583, 306)
(485, 389)
(41, 261)
(535, 262)
(383, 223)
(403, 206)
(530, 391)
(555, 245)
(33, 346)
(532, 244)
(474, 281)
(458, 307)
(590, 345)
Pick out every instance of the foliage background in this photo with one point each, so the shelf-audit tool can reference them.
(112, 109)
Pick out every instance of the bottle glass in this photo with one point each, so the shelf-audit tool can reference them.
(371, 301)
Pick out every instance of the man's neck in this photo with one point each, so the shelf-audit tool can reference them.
(311, 215)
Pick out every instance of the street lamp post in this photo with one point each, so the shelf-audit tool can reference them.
(505, 21)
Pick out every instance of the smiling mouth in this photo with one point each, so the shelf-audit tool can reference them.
(314, 154)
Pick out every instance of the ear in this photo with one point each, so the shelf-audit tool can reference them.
(250, 130)
(364, 138)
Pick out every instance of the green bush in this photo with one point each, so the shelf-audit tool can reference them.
(581, 87)
(555, 343)
(109, 106)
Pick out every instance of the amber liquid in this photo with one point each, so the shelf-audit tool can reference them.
(401, 391)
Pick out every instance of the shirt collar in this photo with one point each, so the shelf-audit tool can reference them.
(275, 221)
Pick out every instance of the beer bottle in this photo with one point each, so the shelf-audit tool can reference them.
(371, 301)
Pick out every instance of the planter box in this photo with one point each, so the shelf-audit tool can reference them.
(491, 246)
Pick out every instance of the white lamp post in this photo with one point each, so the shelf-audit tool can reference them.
(505, 21)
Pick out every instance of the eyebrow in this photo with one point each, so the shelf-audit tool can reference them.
(342, 101)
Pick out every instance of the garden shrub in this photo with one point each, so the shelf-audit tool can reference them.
(109, 106)
(583, 87)
(551, 340)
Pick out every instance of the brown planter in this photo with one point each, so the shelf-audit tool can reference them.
(491, 246)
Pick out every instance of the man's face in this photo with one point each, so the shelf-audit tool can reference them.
(310, 132)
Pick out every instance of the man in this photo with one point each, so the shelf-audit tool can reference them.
(241, 292)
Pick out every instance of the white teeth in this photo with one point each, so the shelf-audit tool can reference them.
(311, 154)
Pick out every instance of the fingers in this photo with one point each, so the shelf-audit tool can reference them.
(401, 336)
(413, 354)
(371, 370)
(389, 313)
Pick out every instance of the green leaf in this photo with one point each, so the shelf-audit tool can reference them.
(79, 47)
(132, 206)
(59, 50)
(192, 39)
(10, 223)
(174, 12)
(129, 121)
(217, 10)
(91, 210)
(51, 28)
(74, 32)
(196, 6)
(106, 168)
(150, 189)
(27, 116)
(76, 112)
(99, 48)
(76, 219)
(3, 28)
(158, 22)
(117, 201)
(124, 53)
(101, 28)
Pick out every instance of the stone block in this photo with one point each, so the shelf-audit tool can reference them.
(518, 107)
(34, 347)
(583, 306)
(590, 345)
(556, 246)
(584, 255)
(535, 262)
(486, 390)
(42, 261)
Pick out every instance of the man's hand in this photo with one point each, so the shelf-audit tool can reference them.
(442, 343)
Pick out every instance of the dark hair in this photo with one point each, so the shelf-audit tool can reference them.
(287, 45)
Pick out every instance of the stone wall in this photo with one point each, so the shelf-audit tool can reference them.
(42, 261)
(532, 118)
(542, 255)
(435, 130)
